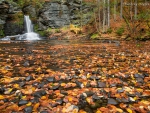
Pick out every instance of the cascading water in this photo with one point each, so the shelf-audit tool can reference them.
(29, 35)
(28, 24)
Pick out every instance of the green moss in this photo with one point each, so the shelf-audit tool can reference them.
(95, 36)
(120, 31)
(2, 33)
(109, 30)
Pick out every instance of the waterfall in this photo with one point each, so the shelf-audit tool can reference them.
(28, 24)
(29, 35)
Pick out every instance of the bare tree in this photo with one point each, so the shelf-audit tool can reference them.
(121, 8)
(135, 10)
(104, 15)
(108, 13)
(115, 9)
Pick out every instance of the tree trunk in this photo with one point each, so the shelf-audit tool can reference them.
(135, 10)
(121, 7)
(131, 3)
(115, 7)
(108, 13)
(104, 15)
(99, 13)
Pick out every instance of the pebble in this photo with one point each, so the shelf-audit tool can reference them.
(120, 90)
(50, 79)
(95, 97)
(55, 87)
(28, 109)
(28, 78)
(44, 112)
(101, 84)
(22, 102)
(140, 80)
(71, 108)
(40, 93)
(112, 101)
(26, 64)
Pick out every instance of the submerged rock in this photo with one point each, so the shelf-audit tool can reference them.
(39, 93)
(112, 101)
(101, 84)
(28, 109)
(22, 102)
(50, 79)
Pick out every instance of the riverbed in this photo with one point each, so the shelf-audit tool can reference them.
(56, 76)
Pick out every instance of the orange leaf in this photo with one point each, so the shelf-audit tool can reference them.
(1, 97)
(36, 106)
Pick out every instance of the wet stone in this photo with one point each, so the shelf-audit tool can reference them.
(28, 109)
(39, 93)
(63, 92)
(71, 108)
(59, 101)
(140, 80)
(22, 102)
(124, 100)
(112, 101)
(44, 112)
(113, 85)
(88, 84)
(21, 84)
(89, 93)
(2, 90)
(5, 100)
(131, 99)
(35, 100)
(28, 78)
(138, 76)
(118, 100)
(95, 105)
(79, 84)
(95, 97)
(55, 87)
(41, 85)
(101, 84)
(26, 64)
(94, 77)
(50, 79)
(120, 90)
(145, 74)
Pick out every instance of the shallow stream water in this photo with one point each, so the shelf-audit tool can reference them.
(109, 72)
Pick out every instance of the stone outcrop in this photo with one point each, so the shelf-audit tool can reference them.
(54, 14)
(57, 14)
(8, 24)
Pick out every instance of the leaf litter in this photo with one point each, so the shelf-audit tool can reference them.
(74, 77)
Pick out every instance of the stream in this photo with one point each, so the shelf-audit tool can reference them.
(56, 76)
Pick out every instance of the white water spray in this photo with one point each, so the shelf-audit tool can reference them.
(29, 35)
(28, 24)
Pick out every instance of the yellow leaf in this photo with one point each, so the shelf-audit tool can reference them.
(1, 97)
(119, 110)
(38, 69)
(88, 100)
(29, 104)
(98, 111)
(88, 75)
(16, 85)
(23, 97)
(129, 110)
